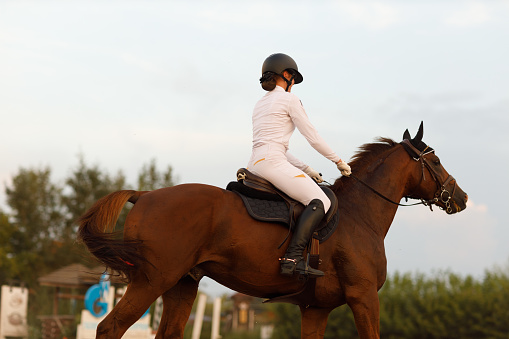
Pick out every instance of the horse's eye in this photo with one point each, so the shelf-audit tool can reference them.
(437, 162)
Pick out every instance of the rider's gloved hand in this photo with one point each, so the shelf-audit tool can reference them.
(313, 174)
(344, 168)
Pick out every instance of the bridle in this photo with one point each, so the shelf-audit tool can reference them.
(441, 195)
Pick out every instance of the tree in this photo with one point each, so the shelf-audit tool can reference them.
(85, 185)
(37, 220)
(444, 305)
(288, 320)
(7, 234)
(38, 233)
(150, 178)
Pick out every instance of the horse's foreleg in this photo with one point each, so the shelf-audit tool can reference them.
(135, 302)
(314, 321)
(366, 311)
(177, 304)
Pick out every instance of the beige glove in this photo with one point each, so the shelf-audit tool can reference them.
(344, 168)
(313, 174)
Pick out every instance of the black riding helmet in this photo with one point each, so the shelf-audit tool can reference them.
(278, 63)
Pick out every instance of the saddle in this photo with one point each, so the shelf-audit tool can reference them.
(264, 202)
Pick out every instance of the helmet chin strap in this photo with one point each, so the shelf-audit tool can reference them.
(288, 82)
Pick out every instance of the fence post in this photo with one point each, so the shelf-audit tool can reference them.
(216, 319)
(198, 317)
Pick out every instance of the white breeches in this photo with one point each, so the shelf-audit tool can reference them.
(270, 163)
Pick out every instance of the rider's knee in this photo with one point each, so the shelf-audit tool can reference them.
(325, 203)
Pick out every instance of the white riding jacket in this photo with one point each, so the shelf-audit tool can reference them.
(275, 117)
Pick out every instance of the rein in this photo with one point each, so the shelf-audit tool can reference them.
(383, 196)
(442, 193)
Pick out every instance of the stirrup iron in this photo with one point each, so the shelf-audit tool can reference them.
(290, 266)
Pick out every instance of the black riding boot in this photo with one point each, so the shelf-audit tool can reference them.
(293, 260)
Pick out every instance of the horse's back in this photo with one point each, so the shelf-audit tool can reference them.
(161, 207)
(178, 192)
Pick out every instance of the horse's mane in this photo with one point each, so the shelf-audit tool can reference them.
(365, 156)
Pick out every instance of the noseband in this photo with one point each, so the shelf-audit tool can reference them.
(442, 194)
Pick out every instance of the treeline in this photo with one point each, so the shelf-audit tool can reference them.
(443, 305)
(38, 229)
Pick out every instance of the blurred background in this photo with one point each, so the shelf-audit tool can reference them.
(103, 95)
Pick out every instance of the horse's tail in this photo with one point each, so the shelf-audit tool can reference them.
(95, 231)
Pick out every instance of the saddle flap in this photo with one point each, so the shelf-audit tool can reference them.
(334, 203)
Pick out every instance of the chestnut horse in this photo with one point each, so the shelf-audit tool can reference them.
(204, 229)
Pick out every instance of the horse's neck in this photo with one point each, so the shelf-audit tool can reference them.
(389, 178)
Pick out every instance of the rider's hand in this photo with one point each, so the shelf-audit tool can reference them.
(344, 168)
(314, 174)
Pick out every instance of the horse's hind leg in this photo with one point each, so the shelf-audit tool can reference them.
(177, 304)
(136, 300)
(314, 321)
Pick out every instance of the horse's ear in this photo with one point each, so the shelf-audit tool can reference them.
(419, 135)
(406, 135)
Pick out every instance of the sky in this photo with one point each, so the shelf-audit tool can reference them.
(125, 82)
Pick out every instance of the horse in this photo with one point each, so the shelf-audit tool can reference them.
(199, 228)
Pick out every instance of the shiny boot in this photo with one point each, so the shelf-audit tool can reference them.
(293, 260)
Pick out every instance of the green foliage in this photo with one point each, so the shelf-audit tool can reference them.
(38, 236)
(7, 235)
(35, 224)
(242, 335)
(37, 233)
(341, 324)
(287, 325)
(444, 305)
(85, 186)
(150, 178)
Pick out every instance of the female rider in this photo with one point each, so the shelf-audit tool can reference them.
(275, 117)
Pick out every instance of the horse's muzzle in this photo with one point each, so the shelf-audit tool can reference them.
(458, 201)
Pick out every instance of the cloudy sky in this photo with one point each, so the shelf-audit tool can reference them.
(124, 82)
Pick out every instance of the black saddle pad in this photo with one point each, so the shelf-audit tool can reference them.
(268, 207)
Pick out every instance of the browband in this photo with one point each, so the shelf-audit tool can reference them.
(414, 152)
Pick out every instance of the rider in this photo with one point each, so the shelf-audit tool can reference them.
(275, 117)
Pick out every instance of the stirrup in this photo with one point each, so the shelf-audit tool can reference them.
(289, 266)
